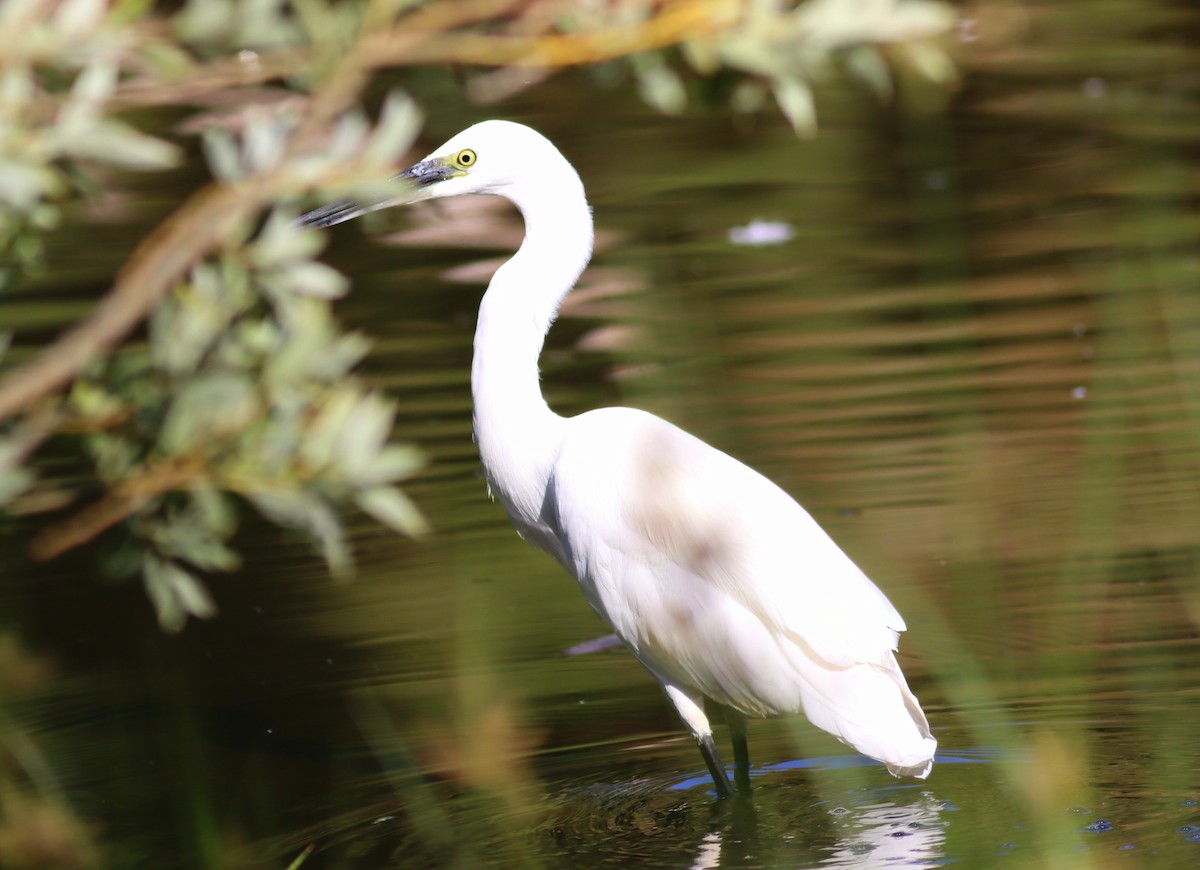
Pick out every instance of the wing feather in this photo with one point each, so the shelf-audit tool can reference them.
(681, 501)
(718, 580)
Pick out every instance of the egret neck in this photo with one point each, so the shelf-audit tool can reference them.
(517, 433)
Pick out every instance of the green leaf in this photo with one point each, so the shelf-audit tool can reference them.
(304, 279)
(748, 96)
(166, 60)
(342, 355)
(118, 144)
(263, 143)
(399, 121)
(930, 61)
(308, 512)
(92, 87)
(394, 509)
(282, 242)
(75, 19)
(192, 595)
(209, 554)
(866, 63)
(662, 88)
(221, 152)
(795, 99)
(215, 509)
(363, 434)
(185, 535)
(175, 593)
(114, 455)
(207, 408)
(702, 56)
(22, 185)
(248, 342)
(13, 481)
(393, 463)
(750, 54)
(184, 327)
(236, 294)
(320, 437)
(125, 561)
(209, 21)
(89, 399)
(348, 136)
(307, 329)
(315, 279)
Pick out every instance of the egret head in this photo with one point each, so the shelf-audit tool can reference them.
(491, 157)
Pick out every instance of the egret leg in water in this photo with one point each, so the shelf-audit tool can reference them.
(713, 577)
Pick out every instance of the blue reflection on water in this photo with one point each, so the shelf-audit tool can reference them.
(980, 755)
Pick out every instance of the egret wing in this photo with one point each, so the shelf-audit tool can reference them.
(671, 499)
(719, 582)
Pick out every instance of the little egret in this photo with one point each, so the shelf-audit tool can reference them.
(713, 577)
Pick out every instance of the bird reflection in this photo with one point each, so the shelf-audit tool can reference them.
(864, 835)
(887, 833)
(732, 840)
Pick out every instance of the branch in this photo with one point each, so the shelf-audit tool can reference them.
(673, 24)
(434, 34)
(126, 499)
(156, 264)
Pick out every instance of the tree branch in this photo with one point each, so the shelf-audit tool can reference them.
(126, 499)
(156, 264)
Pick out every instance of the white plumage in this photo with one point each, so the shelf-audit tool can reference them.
(717, 580)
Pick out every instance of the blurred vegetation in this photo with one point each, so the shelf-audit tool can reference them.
(213, 375)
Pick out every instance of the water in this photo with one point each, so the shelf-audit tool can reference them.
(974, 360)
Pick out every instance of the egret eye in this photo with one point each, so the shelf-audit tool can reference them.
(464, 158)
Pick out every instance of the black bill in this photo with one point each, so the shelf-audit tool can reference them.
(422, 174)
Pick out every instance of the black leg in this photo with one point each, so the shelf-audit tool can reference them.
(708, 748)
(741, 752)
(690, 704)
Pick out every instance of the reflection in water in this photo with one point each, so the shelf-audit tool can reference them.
(888, 834)
(785, 824)
(864, 827)
(708, 856)
(733, 839)
(867, 834)
(761, 232)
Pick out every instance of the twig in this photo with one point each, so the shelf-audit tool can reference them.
(675, 23)
(159, 261)
(431, 34)
(125, 499)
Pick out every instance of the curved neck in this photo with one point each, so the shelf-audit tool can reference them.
(516, 431)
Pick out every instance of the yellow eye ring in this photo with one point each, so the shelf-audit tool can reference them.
(465, 158)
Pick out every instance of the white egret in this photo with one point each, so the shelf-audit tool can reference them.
(713, 577)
